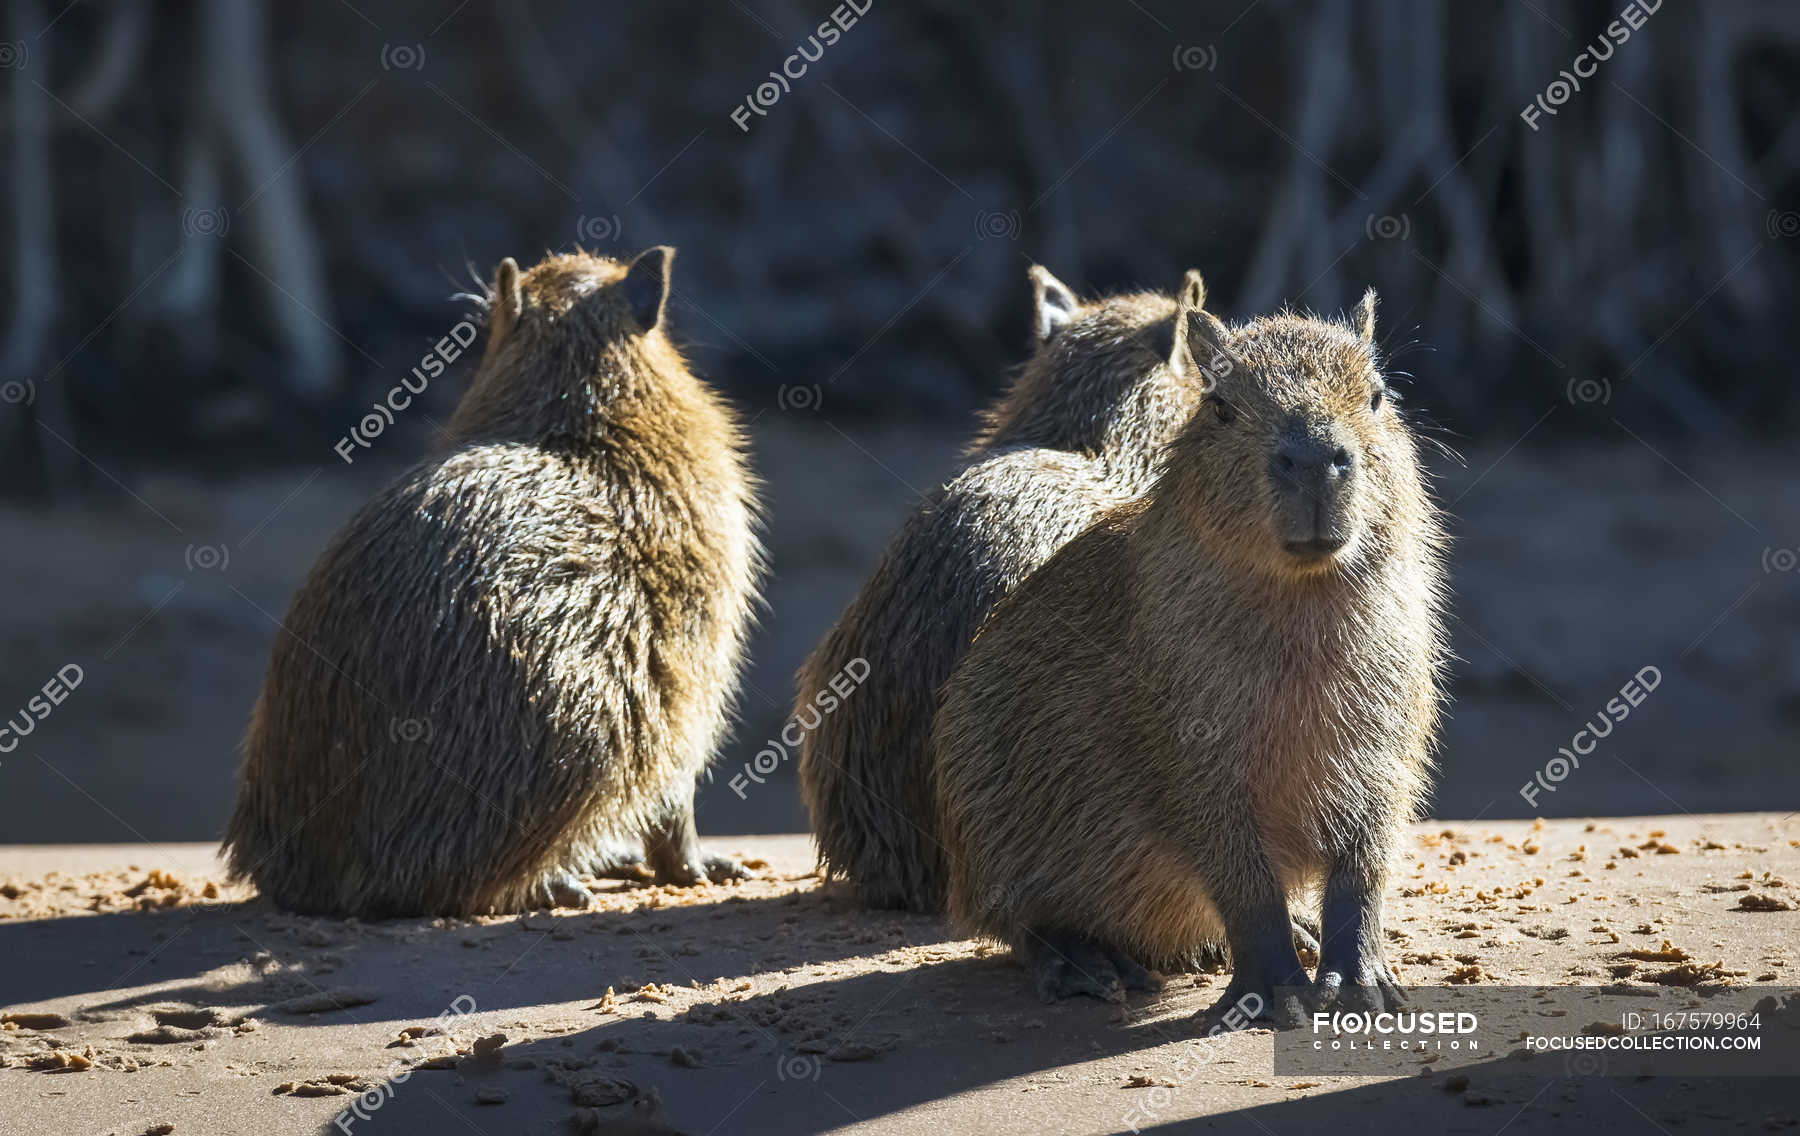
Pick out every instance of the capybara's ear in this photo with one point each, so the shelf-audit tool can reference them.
(1199, 350)
(1193, 290)
(647, 285)
(506, 303)
(1363, 319)
(1053, 305)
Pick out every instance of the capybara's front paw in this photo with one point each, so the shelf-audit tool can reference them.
(701, 868)
(1267, 985)
(1360, 980)
(1256, 998)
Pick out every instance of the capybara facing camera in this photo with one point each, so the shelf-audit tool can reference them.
(1219, 698)
(510, 667)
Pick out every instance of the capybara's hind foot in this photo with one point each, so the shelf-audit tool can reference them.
(1068, 965)
(560, 889)
(675, 853)
(1212, 957)
(618, 861)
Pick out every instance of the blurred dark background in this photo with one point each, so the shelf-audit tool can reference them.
(233, 226)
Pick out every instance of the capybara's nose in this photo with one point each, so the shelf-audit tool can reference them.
(1311, 464)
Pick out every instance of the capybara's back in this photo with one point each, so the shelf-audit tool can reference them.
(524, 651)
(1078, 432)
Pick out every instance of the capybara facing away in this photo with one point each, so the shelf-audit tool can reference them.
(1219, 697)
(519, 656)
(1078, 431)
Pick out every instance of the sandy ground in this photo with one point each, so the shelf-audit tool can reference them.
(141, 993)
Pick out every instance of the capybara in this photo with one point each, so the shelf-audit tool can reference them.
(1219, 698)
(1079, 430)
(520, 656)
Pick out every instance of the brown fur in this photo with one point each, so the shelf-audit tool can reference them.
(1176, 726)
(525, 649)
(1078, 432)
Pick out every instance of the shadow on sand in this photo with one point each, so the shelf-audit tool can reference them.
(794, 1012)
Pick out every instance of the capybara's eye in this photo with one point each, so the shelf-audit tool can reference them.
(1376, 399)
(1223, 410)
